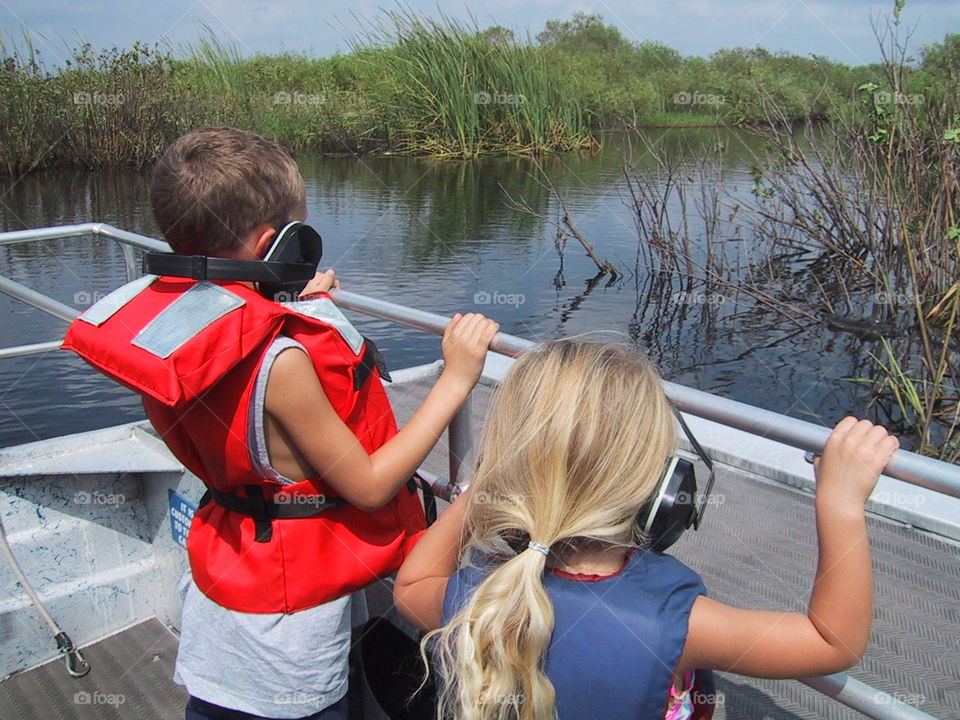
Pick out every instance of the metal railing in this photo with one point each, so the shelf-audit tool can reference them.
(909, 467)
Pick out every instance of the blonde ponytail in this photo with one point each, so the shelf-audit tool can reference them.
(505, 626)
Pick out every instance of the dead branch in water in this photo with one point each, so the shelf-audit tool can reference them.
(565, 226)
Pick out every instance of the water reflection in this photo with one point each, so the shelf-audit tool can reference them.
(440, 235)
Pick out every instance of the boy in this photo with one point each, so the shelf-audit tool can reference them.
(281, 413)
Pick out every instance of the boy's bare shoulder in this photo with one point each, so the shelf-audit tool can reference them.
(292, 381)
(291, 359)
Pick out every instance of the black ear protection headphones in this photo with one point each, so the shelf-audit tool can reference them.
(285, 270)
(673, 508)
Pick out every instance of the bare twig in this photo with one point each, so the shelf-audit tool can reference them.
(565, 226)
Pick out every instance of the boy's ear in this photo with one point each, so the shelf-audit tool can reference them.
(263, 236)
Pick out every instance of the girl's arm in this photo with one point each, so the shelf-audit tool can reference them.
(422, 580)
(833, 634)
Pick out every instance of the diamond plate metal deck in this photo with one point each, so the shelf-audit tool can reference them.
(130, 677)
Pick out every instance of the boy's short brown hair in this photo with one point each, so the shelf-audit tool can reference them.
(214, 185)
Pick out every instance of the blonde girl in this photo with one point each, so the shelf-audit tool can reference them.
(543, 601)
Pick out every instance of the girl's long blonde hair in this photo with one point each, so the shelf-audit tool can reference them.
(574, 446)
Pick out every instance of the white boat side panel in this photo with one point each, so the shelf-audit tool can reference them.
(97, 548)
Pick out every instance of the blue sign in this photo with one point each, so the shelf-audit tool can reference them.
(181, 515)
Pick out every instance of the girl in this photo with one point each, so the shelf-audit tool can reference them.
(560, 611)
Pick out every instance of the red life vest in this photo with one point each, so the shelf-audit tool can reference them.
(193, 350)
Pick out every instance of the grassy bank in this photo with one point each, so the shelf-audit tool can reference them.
(418, 85)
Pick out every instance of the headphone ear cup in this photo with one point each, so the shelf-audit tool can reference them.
(673, 509)
(297, 243)
(311, 244)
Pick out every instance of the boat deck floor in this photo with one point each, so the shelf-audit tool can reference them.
(131, 676)
(756, 549)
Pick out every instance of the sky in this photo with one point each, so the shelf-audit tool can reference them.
(840, 30)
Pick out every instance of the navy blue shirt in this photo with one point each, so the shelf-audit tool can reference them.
(617, 639)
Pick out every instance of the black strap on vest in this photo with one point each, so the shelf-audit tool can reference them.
(264, 511)
(372, 359)
(429, 497)
(201, 267)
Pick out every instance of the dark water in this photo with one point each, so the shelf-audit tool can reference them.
(439, 235)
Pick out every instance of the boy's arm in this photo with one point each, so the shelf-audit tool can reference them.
(296, 400)
(422, 579)
(833, 634)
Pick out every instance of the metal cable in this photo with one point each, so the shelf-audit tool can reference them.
(77, 666)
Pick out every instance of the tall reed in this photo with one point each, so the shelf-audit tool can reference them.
(450, 90)
(877, 196)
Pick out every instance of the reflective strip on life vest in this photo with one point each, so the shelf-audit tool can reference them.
(199, 307)
(324, 309)
(106, 307)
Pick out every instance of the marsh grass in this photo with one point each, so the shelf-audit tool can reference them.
(102, 108)
(410, 84)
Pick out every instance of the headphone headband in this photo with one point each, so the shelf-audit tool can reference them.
(201, 267)
(702, 454)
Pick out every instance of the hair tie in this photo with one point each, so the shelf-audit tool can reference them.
(538, 547)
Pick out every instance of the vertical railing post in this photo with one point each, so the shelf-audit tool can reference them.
(130, 260)
(460, 441)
